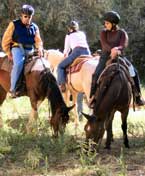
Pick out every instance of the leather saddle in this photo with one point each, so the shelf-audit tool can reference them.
(6, 65)
(77, 63)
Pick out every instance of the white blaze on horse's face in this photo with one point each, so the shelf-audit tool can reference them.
(89, 131)
(88, 128)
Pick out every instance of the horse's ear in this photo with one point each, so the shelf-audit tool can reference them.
(70, 108)
(88, 117)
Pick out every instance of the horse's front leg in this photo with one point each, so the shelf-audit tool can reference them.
(108, 127)
(66, 96)
(124, 115)
(33, 116)
(3, 94)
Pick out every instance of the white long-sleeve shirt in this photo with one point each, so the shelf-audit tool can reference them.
(73, 40)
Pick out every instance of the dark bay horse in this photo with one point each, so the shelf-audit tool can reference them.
(113, 94)
(40, 84)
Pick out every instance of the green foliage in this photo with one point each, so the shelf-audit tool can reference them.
(122, 163)
(136, 129)
(87, 153)
(53, 16)
(41, 154)
(33, 158)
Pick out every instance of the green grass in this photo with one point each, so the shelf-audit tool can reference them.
(39, 153)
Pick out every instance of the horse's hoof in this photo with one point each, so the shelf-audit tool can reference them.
(127, 146)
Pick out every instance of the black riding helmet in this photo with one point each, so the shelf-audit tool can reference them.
(27, 9)
(112, 17)
(74, 25)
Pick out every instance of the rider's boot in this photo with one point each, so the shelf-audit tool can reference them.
(138, 99)
(92, 92)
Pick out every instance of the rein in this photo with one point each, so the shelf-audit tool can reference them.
(105, 87)
(69, 81)
(46, 70)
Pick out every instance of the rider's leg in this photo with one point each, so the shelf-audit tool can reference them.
(136, 79)
(96, 74)
(18, 62)
(61, 75)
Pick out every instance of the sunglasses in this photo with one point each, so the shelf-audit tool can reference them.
(26, 16)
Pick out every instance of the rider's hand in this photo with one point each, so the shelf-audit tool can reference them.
(40, 52)
(65, 55)
(115, 52)
(10, 57)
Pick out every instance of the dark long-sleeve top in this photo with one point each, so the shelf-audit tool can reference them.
(110, 39)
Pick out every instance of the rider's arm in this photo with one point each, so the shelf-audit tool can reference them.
(7, 38)
(66, 46)
(123, 40)
(38, 43)
(104, 43)
(38, 40)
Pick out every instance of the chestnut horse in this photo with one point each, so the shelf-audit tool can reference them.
(77, 82)
(40, 84)
(113, 94)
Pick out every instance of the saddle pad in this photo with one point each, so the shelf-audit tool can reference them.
(76, 68)
(80, 59)
(6, 64)
(38, 64)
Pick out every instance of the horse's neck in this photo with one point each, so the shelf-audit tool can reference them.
(55, 61)
(55, 57)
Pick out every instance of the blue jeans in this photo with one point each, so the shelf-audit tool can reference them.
(61, 75)
(80, 103)
(18, 63)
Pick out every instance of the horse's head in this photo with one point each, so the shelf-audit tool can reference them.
(60, 119)
(94, 128)
(53, 56)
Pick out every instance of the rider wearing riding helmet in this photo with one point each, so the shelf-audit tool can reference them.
(19, 39)
(113, 41)
(76, 43)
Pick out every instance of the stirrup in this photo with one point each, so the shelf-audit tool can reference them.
(13, 94)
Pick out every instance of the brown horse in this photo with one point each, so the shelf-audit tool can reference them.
(40, 84)
(113, 94)
(79, 81)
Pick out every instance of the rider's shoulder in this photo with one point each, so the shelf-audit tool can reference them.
(16, 21)
(122, 30)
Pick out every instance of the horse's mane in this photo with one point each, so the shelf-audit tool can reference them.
(50, 87)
